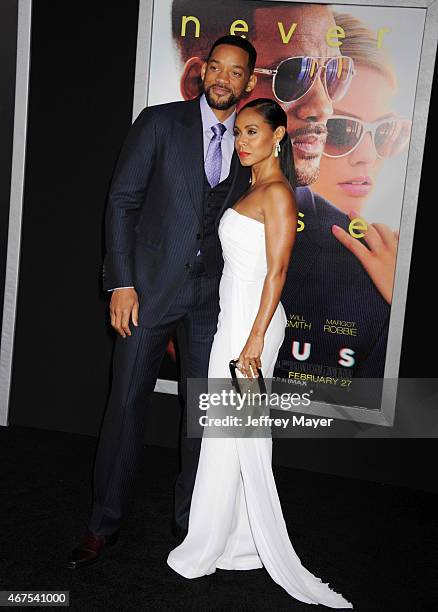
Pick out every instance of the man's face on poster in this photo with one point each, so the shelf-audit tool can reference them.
(307, 117)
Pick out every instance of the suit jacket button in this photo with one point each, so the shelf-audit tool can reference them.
(198, 236)
(187, 266)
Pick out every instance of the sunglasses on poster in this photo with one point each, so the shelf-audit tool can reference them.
(294, 76)
(344, 135)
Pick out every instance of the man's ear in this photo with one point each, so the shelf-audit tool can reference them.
(191, 83)
(252, 82)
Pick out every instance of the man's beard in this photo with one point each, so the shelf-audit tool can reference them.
(306, 171)
(220, 105)
(307, 167)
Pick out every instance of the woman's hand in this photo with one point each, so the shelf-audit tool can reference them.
(379, 258)
(249, 358)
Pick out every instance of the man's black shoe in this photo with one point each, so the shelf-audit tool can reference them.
(90, 548)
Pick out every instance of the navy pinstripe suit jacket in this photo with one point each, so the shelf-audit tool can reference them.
(154, 212)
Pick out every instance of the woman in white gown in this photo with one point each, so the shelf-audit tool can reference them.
(236, 522)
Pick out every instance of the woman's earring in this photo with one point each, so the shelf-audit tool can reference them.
(277, 149)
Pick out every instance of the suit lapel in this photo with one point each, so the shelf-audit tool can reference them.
(189, 138)
(190, 142)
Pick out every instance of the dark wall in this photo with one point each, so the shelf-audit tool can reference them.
(80, 105)
(83, 56)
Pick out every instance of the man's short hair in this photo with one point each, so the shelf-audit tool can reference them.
(237, 41)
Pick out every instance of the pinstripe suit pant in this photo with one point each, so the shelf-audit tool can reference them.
(136, 362)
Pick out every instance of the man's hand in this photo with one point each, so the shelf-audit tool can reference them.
(123, 306)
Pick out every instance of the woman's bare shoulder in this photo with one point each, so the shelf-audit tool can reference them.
(278, 196)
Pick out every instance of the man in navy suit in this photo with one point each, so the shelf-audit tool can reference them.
(176, 174)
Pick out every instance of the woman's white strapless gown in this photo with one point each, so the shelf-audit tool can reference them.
(236, 522)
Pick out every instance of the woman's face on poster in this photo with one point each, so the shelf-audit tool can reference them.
(348, 181)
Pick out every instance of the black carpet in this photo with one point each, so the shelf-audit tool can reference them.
(375, 544)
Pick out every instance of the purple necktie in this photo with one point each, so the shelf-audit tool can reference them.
(213, 159)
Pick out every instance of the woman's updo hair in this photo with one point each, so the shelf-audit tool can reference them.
(275, 116)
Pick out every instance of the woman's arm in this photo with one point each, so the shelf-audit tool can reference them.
(279, 209)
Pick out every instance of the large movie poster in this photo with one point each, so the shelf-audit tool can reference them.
(351, 154)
